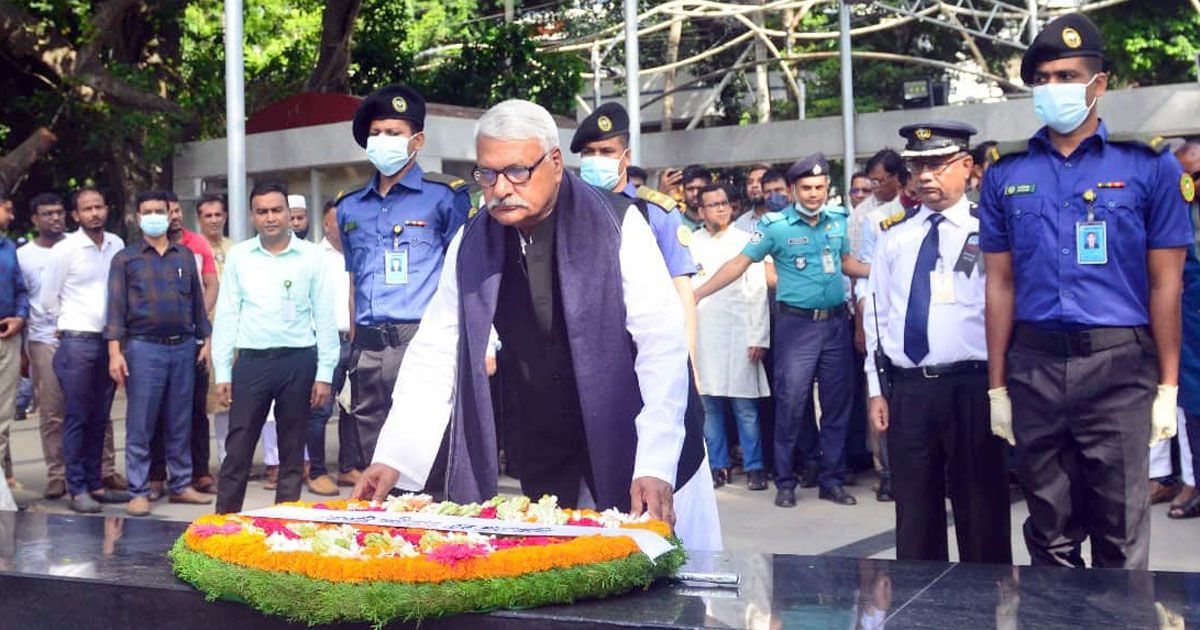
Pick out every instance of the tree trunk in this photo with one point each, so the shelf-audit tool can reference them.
(332, 73)
(762, 84)
(673, 37)
(16, 162)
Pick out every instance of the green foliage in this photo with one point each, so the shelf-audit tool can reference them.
(1156, 44)
(318, 602)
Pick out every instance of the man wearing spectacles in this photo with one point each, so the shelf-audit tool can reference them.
(1083, 344)
(395, 231)
(927, 276)
(572, 280)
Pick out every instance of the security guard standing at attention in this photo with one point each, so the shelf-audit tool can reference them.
(927, 277)
(1084, 236)
(602, 140)
(809, 244)
(395, 231)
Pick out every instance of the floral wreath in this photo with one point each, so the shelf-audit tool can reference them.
(321, 573)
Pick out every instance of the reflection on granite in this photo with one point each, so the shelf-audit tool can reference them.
(61, 571)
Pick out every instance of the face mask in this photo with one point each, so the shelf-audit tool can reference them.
(154, 225)
(389, 154)
(1062, 106)
(601, 172)
(776, 202)
(805, 212)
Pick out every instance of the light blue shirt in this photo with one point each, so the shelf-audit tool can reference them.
(282, 300)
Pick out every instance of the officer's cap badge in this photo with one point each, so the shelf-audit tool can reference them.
(923, 133)
(604, 124)
(816, 169)
(399, 104)
(1071, 38)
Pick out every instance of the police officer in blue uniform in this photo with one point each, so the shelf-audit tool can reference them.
(395, 231)
(811, 250)
(1083, 342)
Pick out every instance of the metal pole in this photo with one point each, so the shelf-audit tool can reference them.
(1032, 27)
(597, 68)
(316, 207)
(235, 121)
(633, 89)
(847, 99)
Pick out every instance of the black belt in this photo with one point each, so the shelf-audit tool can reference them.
(81, 334)
(1075, 343)
(938, 371)
(382, 336)
(814, 314)
(163, 340)
(343, 336)
(273, 353)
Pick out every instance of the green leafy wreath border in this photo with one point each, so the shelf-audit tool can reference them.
(314, 602)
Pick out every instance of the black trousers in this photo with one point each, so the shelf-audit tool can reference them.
(372, 374)
(285, 377)
(200, 437)
(1082, 424)
(940, 440)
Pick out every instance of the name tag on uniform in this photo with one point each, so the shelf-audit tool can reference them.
(1091, 243)
(288, 310)
(970, 257)
(941, 287)
(395, 267)
(827, 262)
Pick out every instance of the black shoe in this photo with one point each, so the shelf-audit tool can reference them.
(838, 495)
(785, 497)
(809, 479)
(84, 504)
(756, 480)
(720, 477)
(884, 493)
(850, 479)
(111, 496)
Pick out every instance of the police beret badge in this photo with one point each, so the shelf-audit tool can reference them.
(1187, 186)
(923, 133)
(1072, 38)
(604, 124)
(399, 104)
(816, 169)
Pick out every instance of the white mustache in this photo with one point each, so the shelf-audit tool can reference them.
(510, 202)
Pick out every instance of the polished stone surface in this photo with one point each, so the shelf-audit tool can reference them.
(103, 572)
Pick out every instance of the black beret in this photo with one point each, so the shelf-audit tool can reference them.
(398, 102)
(609, 120)
(936, 137)
(1072, 35)
(811, 166)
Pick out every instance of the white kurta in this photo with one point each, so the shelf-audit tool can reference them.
(423, 397)
(730, 321)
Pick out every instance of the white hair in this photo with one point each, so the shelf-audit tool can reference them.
(519, 120)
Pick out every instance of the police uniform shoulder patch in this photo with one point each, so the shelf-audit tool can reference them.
(664, 201)
(894, 220)
(770, 217)
(1009, 149)
(1153, 144)
(684, 235)
(1187, 186)
(453, 183)
(342, 194)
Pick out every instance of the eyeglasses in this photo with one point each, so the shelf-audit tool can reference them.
(715, 205)
(935, 165)
(859, 191)
(514, 174)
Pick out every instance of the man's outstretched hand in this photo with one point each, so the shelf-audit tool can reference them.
(653, 495)
(376, 482)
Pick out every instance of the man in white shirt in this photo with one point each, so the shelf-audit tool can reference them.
(318, 480)
(74, 291)
(607, 415)
(733, 336)
(927, 277)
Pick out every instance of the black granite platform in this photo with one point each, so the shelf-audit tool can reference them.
(76, 572)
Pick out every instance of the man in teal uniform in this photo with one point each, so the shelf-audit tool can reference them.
(811, 250)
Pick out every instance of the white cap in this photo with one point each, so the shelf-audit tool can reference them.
(297, 201)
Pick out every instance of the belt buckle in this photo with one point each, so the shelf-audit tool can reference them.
(391, 336)
(820, 314)
(927, 374)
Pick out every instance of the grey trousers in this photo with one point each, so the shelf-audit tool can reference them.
(372, 375)
(1082, 424)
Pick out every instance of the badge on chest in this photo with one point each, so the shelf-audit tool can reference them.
(395, 267)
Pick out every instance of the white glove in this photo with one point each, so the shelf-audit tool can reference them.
(1163, 419)
(1001, 406)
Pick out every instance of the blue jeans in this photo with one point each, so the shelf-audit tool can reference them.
(349, 451)
(745, 412)
(160, 384)
(81, 365)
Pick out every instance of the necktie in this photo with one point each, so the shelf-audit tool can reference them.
(916, 320)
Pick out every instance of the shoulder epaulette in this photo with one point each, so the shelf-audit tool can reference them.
(453, 183)
(662, 200)
(770, 217)
(1009, 149)
(342, 194)
(898, 218)
(1153, 144)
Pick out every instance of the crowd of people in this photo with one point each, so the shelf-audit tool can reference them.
(959, 320)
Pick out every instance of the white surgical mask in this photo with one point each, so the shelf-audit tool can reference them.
(389, 154)
(154, 225)
(599, 171)
(1063, 106)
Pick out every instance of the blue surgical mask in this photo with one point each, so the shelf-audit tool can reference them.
(154, 225)
(601, 172)
(805, 212)
(1062, 106)
(776, 202)
(389, 154)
